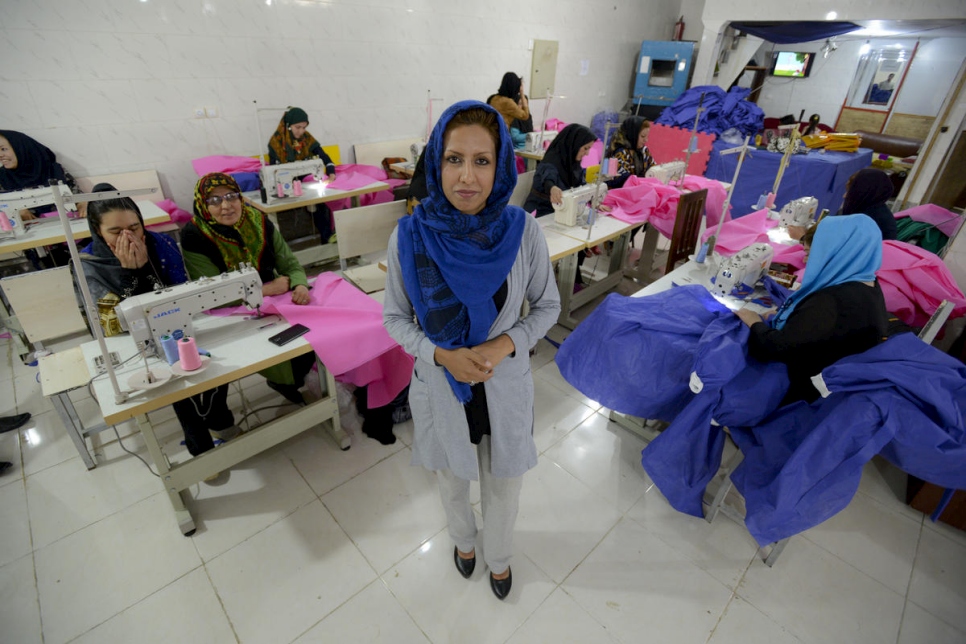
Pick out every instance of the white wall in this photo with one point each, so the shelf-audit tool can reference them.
(112, 85)
(930, 76)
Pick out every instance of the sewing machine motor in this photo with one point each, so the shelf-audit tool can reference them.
(162, 312)
(799, 212)
(738, 274)
(575, 202)
(667, 172)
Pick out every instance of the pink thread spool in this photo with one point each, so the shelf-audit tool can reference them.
(188, 354)
(279, 190)
(770, 202)
(5, 224)
(297, 188)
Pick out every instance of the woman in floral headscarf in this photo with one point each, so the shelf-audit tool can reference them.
(224, 233)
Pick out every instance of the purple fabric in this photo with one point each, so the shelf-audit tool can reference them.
(723, 111)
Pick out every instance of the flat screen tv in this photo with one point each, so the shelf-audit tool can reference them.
(792, 64)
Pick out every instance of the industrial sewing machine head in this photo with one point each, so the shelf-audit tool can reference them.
(738, 274)
(576, 201)
(538, 141)
(799, 212)
(11, 203)
(280, 180)
(151, 315)
(667, 172)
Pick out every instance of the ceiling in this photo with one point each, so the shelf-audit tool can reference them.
(918, 28)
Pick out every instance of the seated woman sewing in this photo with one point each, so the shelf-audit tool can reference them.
(866, 193)
(629, 148)
(838, 311)
(560, 170)
(27, 163)
(513, 106)
(223, 234)
(292, 141)
(124, 260)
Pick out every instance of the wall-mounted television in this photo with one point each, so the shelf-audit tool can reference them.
(791, 64)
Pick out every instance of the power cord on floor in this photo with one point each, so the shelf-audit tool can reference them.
(137, 456)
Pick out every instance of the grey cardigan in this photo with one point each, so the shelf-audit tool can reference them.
(442, 439)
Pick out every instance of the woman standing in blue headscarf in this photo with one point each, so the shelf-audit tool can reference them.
(838, 311)
(460, 268)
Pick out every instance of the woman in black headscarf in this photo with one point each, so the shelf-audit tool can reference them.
(26, 163)
(513, 106)
(629, 147)
(560, 170)
(866, 193)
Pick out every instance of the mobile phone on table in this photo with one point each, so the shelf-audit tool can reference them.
(289, 334)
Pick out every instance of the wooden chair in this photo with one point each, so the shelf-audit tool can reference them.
(522, 190)
(33, 296)
(365, 231)
(687, 223)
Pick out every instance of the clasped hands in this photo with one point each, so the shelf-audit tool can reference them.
(279, 285)
(475, 364)
(130, 250)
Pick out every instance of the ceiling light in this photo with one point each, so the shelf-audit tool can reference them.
(865, 48)
(831, 15)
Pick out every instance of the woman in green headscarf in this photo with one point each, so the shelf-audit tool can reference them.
(292, 141)
(224, 233)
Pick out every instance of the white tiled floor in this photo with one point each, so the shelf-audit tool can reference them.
(306, 543)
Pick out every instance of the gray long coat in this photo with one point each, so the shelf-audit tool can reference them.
(442, 439)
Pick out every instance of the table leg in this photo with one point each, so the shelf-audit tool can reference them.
(354, 201)
(72, 423)
(531, 165)
(566, 277)
(186, 522)
(336, 431)
(645, 264)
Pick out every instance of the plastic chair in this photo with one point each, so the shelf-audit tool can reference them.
(366, 231)
(522, 190)
(687, 223)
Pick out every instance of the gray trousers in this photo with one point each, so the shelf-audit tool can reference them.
(500, 499)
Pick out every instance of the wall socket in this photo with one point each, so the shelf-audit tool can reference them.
(208, 112)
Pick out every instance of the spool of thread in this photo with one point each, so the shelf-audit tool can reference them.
(169, 345)
(762, 200)
(279, 189)
(770, 202)
(188, 354)
(702, 253)
(5, 224)
(297, 188)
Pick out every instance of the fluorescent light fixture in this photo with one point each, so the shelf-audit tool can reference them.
(865, 48)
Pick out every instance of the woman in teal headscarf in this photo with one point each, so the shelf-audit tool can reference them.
(838, 311)
(460, 268)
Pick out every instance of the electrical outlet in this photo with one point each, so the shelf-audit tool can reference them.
(211, 112)
(199, 112)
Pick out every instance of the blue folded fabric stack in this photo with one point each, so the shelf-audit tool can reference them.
(723, 111)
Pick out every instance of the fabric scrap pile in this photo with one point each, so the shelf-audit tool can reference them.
(722, 111)
(837, 142)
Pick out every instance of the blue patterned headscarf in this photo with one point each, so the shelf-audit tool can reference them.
(847, 248)
(453, 263)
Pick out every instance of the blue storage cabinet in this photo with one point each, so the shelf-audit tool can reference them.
(663, 69)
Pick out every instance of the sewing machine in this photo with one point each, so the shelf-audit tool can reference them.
(576, 201)
(284, 179)
(799, 212)
(667, 172)
(11, 203)
(151, 315)
(738, 274)
(538, 141)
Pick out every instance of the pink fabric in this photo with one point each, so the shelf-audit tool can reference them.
(649, 200)
(363, 175)
(521, 165)
(737, 233)
(915, 281)
(594, 156)
(945, 220)
(224, 163)
(178, 215)
(347, 334)
(350, 181)
(554, 124)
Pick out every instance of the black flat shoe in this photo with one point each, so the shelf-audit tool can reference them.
(501, 587)
(465, 566)
(10, 423)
